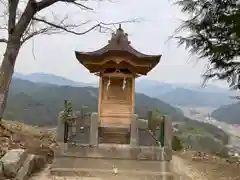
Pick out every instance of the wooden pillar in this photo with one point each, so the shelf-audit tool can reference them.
(133, 94)
(100, 96)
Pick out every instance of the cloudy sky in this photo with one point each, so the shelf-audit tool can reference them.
(159, 18)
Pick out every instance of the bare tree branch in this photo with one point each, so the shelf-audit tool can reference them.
(46, 3)
(43, 31)
(3, 40)
(65, 28)
(78, 4)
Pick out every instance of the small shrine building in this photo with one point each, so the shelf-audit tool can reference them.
(117, 64)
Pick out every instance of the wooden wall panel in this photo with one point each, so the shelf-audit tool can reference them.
(116, 102)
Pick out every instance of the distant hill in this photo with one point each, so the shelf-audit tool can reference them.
(175, 94)
(229, 114)
(186, 97)
(153, 88)
(51, 79)
(39, 104)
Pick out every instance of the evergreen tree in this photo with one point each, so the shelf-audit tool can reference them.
(213, 30)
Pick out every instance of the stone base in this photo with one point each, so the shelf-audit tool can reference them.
(104, 168)
(116, 151)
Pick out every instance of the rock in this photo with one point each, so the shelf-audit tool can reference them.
(26, 169)
(12, 161)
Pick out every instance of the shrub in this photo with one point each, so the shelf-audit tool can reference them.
(176, 144)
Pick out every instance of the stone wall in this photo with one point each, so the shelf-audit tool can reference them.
(117, 151)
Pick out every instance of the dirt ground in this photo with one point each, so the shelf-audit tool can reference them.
(211, 169)
(182, 165)
(40, 140)
(35, 140)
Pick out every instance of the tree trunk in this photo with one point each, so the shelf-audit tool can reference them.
(7, 69)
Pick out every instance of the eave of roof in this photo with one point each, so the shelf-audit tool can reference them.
(118, 44)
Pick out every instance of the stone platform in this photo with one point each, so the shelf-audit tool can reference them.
(95, 151)
(139, 162)
(114, 151)
(104, 168)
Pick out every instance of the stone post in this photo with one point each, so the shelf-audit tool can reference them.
(149, 120)
(78, 121)
(134, 131)
(167, 132)
(60, 134)
(83, 112)
(94, 129)
(60, 128)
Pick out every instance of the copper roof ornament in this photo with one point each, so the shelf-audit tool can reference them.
(119, 40)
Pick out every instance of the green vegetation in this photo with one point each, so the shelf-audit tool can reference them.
(39, 104)
(201, 136)
(176, 144)
(213, 34)
(229, 114)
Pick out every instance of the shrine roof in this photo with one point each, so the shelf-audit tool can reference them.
(117, 45)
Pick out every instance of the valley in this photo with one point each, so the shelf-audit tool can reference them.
(37, 103)
(202, 114)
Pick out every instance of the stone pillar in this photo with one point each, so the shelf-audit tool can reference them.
(94, 129)
(78, 121)
(60, 128)
(167, 132)
(149, 120)
(60, 136)
(134, 131)
(83, 113)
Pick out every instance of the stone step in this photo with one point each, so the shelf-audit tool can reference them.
(109, 174)
(114, 151)
(114, 130)
(115, 140)
(104, 168)
(114, 135)
(107, 164)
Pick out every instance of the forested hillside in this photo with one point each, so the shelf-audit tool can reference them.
(175, 94)
(229, 114)
(39, 104)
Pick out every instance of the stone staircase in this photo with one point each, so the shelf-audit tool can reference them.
(114, 169)
(115, 135)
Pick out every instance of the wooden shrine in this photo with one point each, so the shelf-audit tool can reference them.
(117, 65)
(114, 137)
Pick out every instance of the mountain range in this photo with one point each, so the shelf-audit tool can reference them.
(174, 94)
(40, 103)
